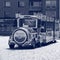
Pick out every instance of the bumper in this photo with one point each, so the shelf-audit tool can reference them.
(11, 42)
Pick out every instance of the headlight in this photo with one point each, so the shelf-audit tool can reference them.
(20, 36)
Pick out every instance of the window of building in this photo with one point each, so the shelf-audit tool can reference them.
(21, 4)
(50, 3)
(8, 4)
(51, 13)
(35, 4)
(34, 12)
(53, 3)
(7, 14)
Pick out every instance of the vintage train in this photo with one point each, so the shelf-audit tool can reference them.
(32, 30)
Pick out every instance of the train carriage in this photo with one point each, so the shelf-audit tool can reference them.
(32, 30)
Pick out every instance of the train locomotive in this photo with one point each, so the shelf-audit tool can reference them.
(31, 31)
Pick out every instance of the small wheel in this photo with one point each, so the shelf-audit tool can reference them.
(54, 41)
(11, 46)
(38, 44)
(33, 44)
(20, 46)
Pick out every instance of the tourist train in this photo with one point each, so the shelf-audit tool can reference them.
(33, 30)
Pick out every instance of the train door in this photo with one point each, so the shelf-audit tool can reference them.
(43, 31)
(50, 32)
(46, 31)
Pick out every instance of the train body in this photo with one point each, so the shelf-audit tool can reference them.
(31, 31)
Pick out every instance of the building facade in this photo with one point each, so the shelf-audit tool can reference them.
(9, 9)
(59, 9)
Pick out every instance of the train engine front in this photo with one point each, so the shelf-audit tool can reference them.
(25, 34)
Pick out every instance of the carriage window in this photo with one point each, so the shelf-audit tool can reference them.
(30, 23)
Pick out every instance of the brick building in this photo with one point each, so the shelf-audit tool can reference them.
(9, 8)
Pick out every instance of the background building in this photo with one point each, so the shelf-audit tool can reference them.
(59, 18)
(9, 8)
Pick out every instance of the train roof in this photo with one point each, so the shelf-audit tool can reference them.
(41, 17)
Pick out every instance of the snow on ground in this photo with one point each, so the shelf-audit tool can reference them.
(49, 52)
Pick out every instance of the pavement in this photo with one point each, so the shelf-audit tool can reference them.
(49, 52)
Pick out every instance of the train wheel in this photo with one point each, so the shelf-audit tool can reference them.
(44, 42)
(11, 46)
(54, 41)
(34, 44)
(38, 44)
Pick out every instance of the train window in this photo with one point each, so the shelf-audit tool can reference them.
(30, 22)
(49, 32)
(21, 22)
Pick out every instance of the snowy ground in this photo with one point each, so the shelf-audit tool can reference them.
(50, 52)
